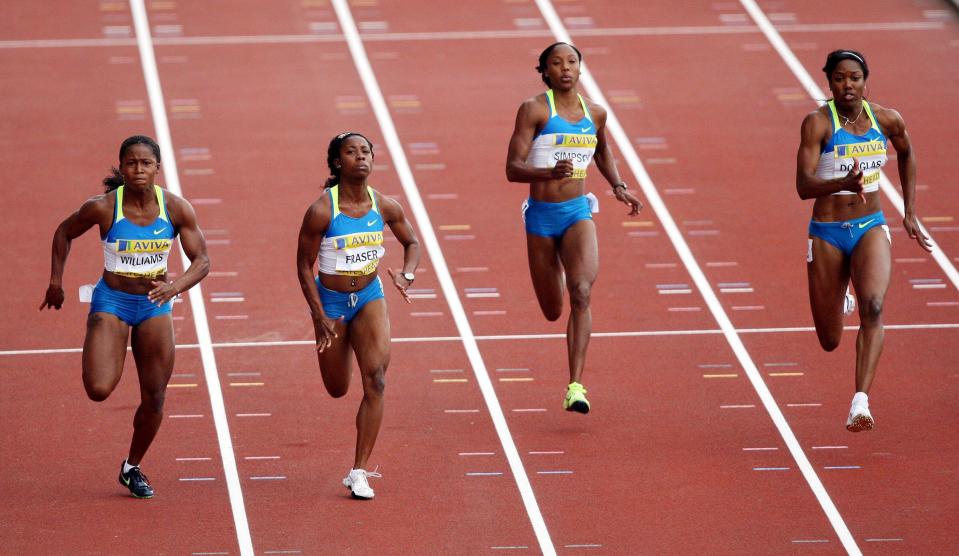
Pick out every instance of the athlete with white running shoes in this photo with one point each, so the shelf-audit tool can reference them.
(841, 154)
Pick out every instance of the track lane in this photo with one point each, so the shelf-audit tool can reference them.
(280, 96)
(48, 133)
(772, 268)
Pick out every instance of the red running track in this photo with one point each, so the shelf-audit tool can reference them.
(678, 456)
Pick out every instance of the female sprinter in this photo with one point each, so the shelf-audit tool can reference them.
(345, 228)
(842, 150)
(138, 222)
(554, 140)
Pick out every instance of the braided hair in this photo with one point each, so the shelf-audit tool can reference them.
(333, 153)
(115, 179)
(541, 68)
(836, 56)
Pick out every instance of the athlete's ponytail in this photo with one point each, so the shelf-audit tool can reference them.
(113, 181)
(333, 153)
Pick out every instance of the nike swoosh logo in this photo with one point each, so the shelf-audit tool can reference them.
(158, 232)
(866, 223)
(371, 222)
(585, 129)
(125, 480)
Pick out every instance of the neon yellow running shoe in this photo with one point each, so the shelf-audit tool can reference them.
(576, 398)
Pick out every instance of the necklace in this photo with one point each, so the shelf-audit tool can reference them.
(848, 121)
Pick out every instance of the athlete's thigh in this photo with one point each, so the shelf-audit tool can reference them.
(828, 275)
(334, 361)
(104, 349)
(579, 252)
(546, 271)
(871, 264)
(153, 347)
(370, 336)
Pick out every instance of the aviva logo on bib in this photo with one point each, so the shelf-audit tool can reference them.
(869, 148)
(575, 140)
(361, 239)
(143, 245)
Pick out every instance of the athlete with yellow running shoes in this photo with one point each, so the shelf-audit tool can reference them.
(557, 135)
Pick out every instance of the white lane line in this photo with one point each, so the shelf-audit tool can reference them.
(702, 283)
(473, 35)
(760, 449)
(193, 459)
(187, 479)
(395, 147)
(511, 337)
(151, 75)
(256, 458)
(819, 96)
(460, 411)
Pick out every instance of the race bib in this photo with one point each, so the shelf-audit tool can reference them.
(359, 254)
(871, 156)
(577, 148)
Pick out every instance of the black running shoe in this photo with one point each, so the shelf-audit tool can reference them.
(137, 482)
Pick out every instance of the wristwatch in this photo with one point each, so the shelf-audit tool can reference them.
(621, 184)
(409, 276)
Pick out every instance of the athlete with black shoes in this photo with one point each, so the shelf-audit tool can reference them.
(138, 222)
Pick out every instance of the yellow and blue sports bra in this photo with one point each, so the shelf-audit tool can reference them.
(563, 140)
(835, 160)
(138, 251)
(352, 246)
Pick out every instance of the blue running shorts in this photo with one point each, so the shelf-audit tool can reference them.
(131, 308)
(845, 235)
(553, 219)
(347, 305)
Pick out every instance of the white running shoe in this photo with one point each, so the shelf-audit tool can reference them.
(859, 419)
(358, 483)
(849, 303)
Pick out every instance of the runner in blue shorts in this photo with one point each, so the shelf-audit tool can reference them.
(557, 135)
(841, 155)
(344, 229)
(138, 222)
